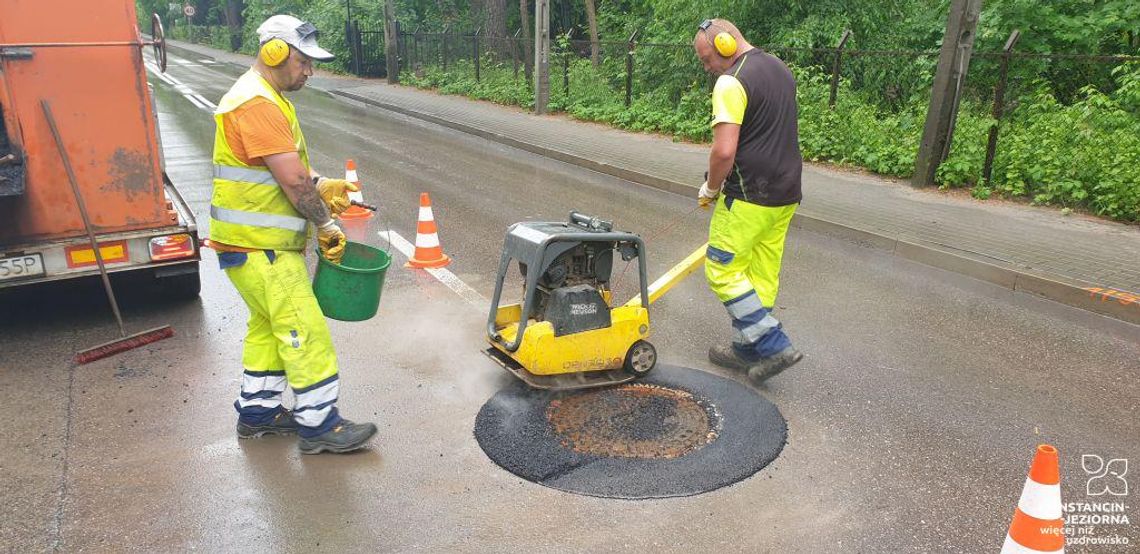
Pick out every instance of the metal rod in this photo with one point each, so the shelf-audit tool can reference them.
(416, 58)
(835, 70)
(999, 100)
(443, 46)
(71, 44)
(514, 53)
(566, 65)
(629, 68)
(475, 47)
(83, 212)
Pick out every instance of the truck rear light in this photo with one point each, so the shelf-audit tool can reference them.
(171, 247)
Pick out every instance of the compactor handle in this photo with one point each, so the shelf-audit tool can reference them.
(591, 223)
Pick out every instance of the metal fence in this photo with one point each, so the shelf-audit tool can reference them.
(633, 68)
(630, 69)
(662, 87)
(217, 36)
(366, 49)
(888, 78)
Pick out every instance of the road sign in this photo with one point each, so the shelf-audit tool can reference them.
(188, 10)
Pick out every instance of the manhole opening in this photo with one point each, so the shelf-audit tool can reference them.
(635, 420)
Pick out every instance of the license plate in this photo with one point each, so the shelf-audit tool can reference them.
(21, 267)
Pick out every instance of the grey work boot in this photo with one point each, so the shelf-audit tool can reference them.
(724, 355)
(346, 436)
(771, 366)
(282, 424)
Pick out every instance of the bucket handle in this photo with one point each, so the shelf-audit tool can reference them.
(388, 237)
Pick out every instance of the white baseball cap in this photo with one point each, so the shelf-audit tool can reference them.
(301, 35)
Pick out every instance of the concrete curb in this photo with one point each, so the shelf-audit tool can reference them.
(1066, 291)
(1070, 292)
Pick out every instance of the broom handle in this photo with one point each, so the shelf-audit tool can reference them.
(83, 212)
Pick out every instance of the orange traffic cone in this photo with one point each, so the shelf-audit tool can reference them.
(354, 212)
(1038, 518)
(428, 252)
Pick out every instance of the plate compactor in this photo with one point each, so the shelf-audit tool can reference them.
(567, 334)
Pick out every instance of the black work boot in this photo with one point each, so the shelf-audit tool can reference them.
(724, 355)
(770, 366)
(282, 424)
(346, 436)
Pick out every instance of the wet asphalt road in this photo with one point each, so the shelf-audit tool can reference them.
(911, 422)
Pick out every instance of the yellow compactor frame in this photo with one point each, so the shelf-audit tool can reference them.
(598, 357)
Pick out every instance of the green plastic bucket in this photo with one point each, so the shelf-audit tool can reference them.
(350, 291)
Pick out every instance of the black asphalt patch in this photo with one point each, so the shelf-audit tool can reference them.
(514, 429)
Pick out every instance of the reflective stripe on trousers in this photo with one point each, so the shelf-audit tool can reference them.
(315, 403)
(754, 331)
(746, 247)
(287, 340)
(261, 389)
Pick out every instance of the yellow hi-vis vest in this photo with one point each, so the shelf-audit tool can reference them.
(249, 208)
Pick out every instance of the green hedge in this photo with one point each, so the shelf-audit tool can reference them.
(1082, 155)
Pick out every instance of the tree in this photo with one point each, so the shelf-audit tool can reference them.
(528, 56)
(491, 17)
(592, 17)
(233, 23)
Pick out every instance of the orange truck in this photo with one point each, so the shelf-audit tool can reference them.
(85, 61)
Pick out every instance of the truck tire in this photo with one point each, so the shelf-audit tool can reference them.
(184, 286)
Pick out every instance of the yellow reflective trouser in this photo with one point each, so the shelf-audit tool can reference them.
(287, 342)
(746, 246)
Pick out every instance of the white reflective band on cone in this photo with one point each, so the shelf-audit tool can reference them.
(1012, 547)
(427, 241)
(1040, 501)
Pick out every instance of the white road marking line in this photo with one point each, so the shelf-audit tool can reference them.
(203, 100)
(154, 69)
(470, 295)
(197, 99)
(196, 102)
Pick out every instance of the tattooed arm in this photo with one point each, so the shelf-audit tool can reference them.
(297, 183)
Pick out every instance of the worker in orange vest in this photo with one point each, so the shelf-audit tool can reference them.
(266, 199)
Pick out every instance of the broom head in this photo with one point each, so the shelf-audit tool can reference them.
(122, 345)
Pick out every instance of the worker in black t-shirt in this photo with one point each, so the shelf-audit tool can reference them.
(754, 181)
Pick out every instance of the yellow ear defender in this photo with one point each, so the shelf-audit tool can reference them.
(723, 42)
(275, 51)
